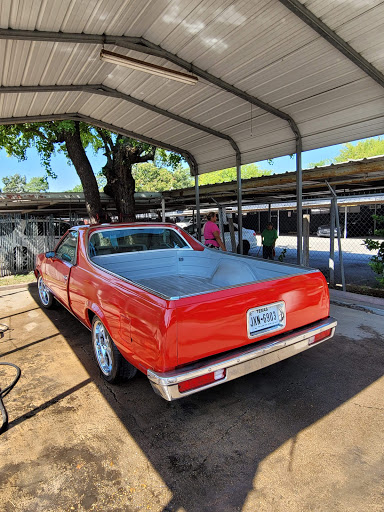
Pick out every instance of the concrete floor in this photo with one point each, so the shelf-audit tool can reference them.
(306, 434)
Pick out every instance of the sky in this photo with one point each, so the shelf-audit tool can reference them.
(67, 178)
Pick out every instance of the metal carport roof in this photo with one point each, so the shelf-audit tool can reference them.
(275, 76)
(256, 51)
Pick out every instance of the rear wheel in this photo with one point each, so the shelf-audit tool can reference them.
(112, 364)
(46, 298)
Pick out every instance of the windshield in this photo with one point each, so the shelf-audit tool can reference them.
(113, 241)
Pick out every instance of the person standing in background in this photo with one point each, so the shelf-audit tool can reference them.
(212, 237)
(268, 239)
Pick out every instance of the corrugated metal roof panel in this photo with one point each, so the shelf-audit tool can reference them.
(260, 47)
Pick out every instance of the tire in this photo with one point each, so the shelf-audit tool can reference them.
(112, 365)
(46, 298)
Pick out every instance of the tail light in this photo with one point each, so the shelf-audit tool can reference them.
(201, 381)
(319, 337)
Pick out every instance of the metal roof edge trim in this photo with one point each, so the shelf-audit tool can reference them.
(335, 40)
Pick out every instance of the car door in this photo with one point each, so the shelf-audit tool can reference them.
(58, 267)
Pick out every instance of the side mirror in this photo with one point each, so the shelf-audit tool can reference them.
(50, 254)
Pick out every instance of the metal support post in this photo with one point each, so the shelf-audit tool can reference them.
(345, 221)
(339, 244)
(231, 232)
(258, 222)
(163, 209)
(269, 212)
(239, 203)
(221, 222)
(374, 220)
(197, 200)
(278, 223)
(299, 201)
(306, 219)
(332, 245)
(336, 216)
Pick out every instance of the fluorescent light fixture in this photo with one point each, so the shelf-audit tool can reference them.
(147, 67)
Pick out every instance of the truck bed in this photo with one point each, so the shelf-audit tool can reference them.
(175, 274)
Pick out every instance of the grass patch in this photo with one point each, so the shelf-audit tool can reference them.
(17, 279)
(366, 290)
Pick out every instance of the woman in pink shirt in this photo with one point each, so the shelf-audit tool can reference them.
(212, 233)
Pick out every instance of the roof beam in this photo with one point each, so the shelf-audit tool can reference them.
(101, 124)
(141, 45)
(103, 90)
(321, 28)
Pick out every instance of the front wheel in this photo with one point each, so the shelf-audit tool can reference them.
(46, 298)
(112, 364)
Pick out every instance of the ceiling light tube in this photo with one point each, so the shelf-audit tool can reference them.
(147, 67)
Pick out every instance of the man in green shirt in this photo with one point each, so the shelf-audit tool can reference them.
(268, 239)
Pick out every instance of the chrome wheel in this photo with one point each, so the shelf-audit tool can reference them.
(45, 296)
(102, 344)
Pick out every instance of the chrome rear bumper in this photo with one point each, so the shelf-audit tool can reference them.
(241, 361)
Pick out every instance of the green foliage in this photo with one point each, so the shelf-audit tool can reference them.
(322, 163)
(101, 182)
(363, 149)
(377, 262)
(14, 183)
(17, 138)
(165, 158)
(226, 175)
(37, 184)
(18, 184)
(350, 151)
(282, 255)
(151, 178)
(77, 188)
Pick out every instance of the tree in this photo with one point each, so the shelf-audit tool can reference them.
(17, 184)
(37, 184)
(151, 178)
(67, 136)
(101, 182)
(362, 149)
(350, 151)
(76, 188)
(72, 138)
(226, 175)
(377, 261)
(122, 153)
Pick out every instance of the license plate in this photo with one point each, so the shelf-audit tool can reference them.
(268, 318)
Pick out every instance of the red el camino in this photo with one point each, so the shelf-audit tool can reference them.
(189, 317)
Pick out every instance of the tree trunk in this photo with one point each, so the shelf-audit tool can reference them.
(120, 182)
(84, 170)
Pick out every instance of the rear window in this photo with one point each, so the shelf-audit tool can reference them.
(115, 241)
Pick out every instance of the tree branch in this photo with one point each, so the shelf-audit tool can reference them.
(107, 140)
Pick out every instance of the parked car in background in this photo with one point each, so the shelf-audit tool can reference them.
(248, 234)
(326, 231)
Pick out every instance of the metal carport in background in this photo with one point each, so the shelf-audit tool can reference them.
(275, 77)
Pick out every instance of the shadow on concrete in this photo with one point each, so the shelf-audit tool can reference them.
(207, 448)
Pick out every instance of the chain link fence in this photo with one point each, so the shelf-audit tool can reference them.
(356, 224)
(22, 238)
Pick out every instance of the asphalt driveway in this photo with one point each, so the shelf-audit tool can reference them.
(303, 435)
